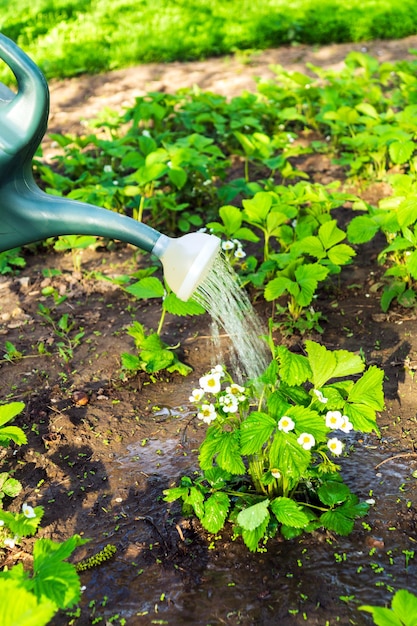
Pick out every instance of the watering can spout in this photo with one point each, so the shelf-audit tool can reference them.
(28, 215)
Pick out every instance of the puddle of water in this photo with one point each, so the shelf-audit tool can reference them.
(293, 583)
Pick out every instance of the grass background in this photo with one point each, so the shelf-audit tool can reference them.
(67, 38)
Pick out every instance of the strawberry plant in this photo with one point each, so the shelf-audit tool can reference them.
(268, 460)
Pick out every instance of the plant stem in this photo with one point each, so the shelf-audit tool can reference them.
(161, 321)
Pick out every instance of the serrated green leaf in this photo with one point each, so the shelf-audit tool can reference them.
(326, 364)
(195, 498)
(341, 254)
(21, 525)
(308, 421)
(336, 521)
(130, 362)
(13, 433)
(246, 234)
(411, 263)
(289, 512)
(274, 221)
(333, 492)
(391, 292)
(362, 417)
(362, 229)
(246, 143)
(12, 487)
(279, 285)
(20, 607)
(156, 360)
(232, 218)
(257, 208)
(404, 605)
(277, 404)
(401, 151)
(253, 537)
(172, 304)
(224, 447)
(181, 368)
(9, 411)
(229, 456)
(308, 276)
(53, 577)
(149, 172)
(322, 362)
(294, 369)
(174, 493)
(407, 210)
(254, 516)
(330, 234)
(368, 389)
(288, 456)
(149, 287)
(382, 616)
(217, 477)
(177, 176)
(255, 431)
(367, 109)
(309, 245)
(347, 363)
(215, 511)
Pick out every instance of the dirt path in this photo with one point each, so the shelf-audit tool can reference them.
(83, 98)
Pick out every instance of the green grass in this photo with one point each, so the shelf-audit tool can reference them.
(67, 37)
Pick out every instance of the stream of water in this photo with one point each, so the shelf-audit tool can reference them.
(230, 308)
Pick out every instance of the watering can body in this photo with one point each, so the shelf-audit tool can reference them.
(28, 215)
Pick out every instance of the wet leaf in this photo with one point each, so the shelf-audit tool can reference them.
(172, 304)
(402, 613)
(215, 512)
(294, 368)
(289, 512)
(253, 516)
(286, 454)
(327, 364)
(12, 487)
(307, 420)
(255, 432)
(333, 492)
(149, 287)
(13, 433)
(195, 498)
(253, 537)
(9, 411)
(25, 609)
(368, 389)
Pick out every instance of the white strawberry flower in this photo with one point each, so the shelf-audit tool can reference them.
(286, 424)
(306, 441)
(335, 446)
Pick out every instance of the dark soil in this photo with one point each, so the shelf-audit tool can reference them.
(101, 449)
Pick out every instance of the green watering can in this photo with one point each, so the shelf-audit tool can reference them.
(27, 214)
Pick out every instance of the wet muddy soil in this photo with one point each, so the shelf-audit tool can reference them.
(102, 449)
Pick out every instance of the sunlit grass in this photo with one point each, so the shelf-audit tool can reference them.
(67, 38)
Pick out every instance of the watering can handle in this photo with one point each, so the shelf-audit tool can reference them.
(23, 116)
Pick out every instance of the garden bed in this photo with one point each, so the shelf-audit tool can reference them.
(102, 448)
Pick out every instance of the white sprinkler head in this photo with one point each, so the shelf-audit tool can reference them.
(186, 260)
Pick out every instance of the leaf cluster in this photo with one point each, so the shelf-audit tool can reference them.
(258, 475)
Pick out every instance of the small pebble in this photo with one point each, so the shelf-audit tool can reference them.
(375, 542)
(80, 398)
